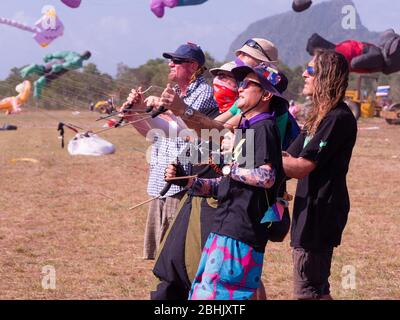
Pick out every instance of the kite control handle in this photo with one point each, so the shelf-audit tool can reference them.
(158, 111)
(165, 189)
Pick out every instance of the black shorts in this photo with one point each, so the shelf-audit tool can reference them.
(311, 270)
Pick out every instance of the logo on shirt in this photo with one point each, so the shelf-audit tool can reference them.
(323, 144)
(238, 150)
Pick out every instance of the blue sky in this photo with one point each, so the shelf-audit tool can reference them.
(127, 31)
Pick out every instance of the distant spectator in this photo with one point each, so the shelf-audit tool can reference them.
(294, 108)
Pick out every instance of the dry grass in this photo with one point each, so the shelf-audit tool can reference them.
(71, 213)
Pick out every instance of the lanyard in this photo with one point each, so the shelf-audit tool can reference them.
(245, 124)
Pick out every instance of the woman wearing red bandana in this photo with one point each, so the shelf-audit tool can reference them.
(225, 87)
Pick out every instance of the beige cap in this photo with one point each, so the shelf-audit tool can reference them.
(225, 67)
(253, 46)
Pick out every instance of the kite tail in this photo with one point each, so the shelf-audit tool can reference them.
(18, 25)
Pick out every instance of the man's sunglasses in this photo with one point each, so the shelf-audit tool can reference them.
(311, 71)
(245, 84)
(253, 44)
(180, 61)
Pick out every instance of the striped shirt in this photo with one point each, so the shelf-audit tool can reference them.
(164, 151)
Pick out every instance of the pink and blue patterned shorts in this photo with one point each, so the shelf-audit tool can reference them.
(228, 270)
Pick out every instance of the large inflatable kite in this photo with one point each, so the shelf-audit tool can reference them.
(301, 5)
(158, 6)
(46, 30)
(56, 65)
(364, 57)
(72, 3)
(13, 105)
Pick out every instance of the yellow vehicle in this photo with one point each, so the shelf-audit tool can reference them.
(105, 106)
(360, 103)
(373, 105)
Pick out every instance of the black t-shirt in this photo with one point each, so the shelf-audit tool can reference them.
(322, 202)
(241, 206)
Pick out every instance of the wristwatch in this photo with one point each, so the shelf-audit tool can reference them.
(189, 112)
(226, 170)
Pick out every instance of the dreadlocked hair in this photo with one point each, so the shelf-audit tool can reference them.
(200, 70)
(330, 84)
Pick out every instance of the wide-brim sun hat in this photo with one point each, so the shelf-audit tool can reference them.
(262, 74)
(227, 67)
(260, 49)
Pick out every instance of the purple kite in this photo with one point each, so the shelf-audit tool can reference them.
(158, 6)
(72, 3)
(48, 28)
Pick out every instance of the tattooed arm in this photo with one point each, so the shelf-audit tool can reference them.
(199, 187)
(263, 177)
(205, 187)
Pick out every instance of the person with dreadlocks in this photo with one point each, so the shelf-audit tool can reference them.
(319, 158)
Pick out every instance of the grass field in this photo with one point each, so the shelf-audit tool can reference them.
(70, 212)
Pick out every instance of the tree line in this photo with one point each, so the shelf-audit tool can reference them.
(77, 89)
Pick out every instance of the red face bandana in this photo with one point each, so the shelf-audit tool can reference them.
(224, 96)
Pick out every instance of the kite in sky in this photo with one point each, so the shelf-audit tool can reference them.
(72, 3)
(56, 65)
(364, 57)
(301, 5)
(12, 104)
(48, 28)
(158, 6)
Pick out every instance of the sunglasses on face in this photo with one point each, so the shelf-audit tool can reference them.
(253, 44)
(311, 71)
(245, 84)
(179, 61)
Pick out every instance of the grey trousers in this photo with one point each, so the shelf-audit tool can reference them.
(160, 215)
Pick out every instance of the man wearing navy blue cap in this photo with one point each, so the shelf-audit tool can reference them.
(186, 71)
(187, 52)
